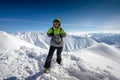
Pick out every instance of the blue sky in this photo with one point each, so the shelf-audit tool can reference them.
(75, 15)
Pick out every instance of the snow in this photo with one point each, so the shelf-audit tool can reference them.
(25, 61)
(106, 51)
(72, 42)
(99, 59)
(38, 39)
(8, 41)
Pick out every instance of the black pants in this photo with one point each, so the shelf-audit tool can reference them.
(50, 54)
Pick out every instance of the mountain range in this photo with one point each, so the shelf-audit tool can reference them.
(89, 56)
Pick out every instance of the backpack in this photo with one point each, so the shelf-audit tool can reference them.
(57, 38)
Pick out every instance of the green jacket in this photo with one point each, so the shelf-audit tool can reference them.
(58, 33)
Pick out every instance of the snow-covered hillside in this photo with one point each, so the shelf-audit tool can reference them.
(96, 62)
(106, 37)
(37, 39)
(8, 41)
(109, 38)
(72, 42)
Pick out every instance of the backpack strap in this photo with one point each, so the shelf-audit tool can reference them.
(61, 33)
(52, 30)
(60, 30)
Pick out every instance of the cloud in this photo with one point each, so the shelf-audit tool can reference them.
(110, 24)
(113, 24)
(85, 24)
(22, 20)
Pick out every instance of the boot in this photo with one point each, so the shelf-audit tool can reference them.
(47, 70)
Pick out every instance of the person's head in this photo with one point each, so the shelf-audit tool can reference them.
(56, 22)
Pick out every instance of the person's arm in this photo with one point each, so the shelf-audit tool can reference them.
(50, 33)
(63, 33)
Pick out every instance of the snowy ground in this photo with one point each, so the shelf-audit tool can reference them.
(98, 62)
(81, 65)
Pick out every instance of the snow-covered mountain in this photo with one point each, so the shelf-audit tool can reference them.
(37, 39)
(8, 41)
(106, 37)
(99, 61)
(72, 42)
(109, 38)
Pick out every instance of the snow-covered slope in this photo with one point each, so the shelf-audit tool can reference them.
(106, 37)
(37, 39)
(106, 51)
(109, 38)
(8, 41)
(98, 62)
(72, 42)
(103, 56)
(76, 42)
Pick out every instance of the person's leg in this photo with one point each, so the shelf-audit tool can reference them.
(49, 57)
(59, 50)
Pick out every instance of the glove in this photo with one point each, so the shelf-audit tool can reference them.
(60, 35)
(51, 34)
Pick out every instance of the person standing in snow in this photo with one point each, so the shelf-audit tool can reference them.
(57, 34)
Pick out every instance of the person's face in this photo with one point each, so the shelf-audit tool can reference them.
(56, 24)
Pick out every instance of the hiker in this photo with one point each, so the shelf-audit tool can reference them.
(57, 34)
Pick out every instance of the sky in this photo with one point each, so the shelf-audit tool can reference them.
(75, 15)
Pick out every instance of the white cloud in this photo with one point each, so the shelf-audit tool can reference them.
(111, 25)
(21, 20)
(79, 25)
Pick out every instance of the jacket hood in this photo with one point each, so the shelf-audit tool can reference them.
(57, 20)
